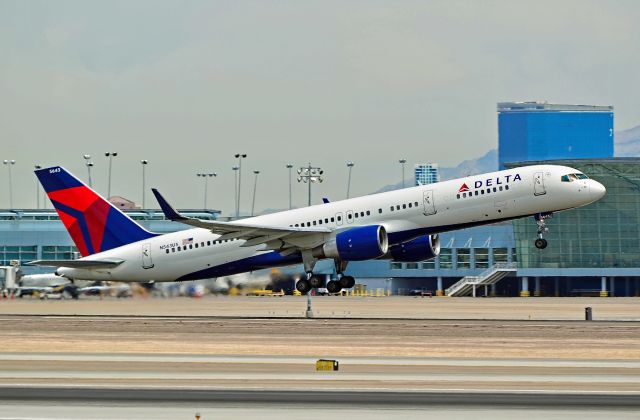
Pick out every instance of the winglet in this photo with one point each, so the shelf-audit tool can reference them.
(169, 212)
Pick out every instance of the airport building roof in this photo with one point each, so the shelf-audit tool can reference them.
(536, 106)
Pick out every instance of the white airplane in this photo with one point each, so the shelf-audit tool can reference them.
(400, 225)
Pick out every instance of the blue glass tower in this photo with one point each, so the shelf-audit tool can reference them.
(542, 131)
(426, 173)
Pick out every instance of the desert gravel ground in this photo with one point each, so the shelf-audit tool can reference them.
(382, 343)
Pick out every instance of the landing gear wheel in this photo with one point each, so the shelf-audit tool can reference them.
(333, 287)
(347, 282)
(303, 286)
(541, 243)
(315, 281)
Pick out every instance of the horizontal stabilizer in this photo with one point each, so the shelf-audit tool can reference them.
(106, 263)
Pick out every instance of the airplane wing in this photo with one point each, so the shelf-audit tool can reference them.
(107, 263)
(276, 236)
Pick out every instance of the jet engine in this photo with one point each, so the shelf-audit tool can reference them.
(420, 249)
(356, 244)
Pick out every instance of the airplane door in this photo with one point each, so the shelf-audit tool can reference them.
(146, 256)
(427, 200)
(339, 219)
(350, 216)
(538, 184)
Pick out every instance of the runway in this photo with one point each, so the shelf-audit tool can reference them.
(170, 366)
(344, 397)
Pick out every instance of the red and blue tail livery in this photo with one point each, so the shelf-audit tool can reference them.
(94, 224)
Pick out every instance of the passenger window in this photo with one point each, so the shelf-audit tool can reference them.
(391, 208)
(476, 192)
(196, 245)
(482, 192)
(368, 213)
(416, 204)
(308, 224)
(332, 220)
(190, 246)
(464, 195)
(404, 206)
(349, 216)
(314, 223)
(167, 250)
(398, 207)
(356, 215)
(379, 211)
(208, 243)
(326, 220)
(500, 188)
(495, 189)
(173, 250)
(361, 214)
(488, 190)
(506, 187)
(410, 205)
(458, 196)
(339, 218)
(178, 248)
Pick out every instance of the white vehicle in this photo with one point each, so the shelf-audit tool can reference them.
(400, 225)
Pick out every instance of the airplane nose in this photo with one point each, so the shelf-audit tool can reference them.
(597, 190)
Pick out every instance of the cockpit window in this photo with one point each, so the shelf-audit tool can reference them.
(573, 177)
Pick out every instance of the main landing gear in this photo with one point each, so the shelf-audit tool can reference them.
(313, 281)
(541, 243)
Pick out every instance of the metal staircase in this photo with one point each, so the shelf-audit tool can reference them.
(492, 275)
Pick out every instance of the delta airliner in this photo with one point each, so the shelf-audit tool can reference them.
(400, 225)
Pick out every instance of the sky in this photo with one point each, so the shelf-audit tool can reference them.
(188, 84)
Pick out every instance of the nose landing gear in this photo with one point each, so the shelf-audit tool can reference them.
(541, 243)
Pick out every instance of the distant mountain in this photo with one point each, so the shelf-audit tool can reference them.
(486, 163)
(627, 142)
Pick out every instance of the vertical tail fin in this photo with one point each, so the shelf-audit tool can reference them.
(94, 224)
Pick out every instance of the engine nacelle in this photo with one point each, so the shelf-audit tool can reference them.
(356, 244)
(419, 249)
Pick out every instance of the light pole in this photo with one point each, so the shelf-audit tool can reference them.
(206, 177)
(255, 185)
(402, 162)
(350, 166)
(88, 164)
(9, 163)
(310, 175)
(239, 156)
(290, 167)
(37, 167)
(235, 197)
(110, 155)
(144, 163)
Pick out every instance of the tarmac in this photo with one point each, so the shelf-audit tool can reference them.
(249, 357)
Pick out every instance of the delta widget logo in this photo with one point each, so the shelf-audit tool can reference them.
(464, 188)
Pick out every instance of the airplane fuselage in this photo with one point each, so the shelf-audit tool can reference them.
(405, 214)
